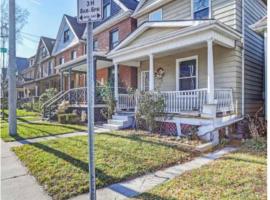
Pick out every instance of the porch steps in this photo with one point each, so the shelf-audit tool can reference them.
(120, 120)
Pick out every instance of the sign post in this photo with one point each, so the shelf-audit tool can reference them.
(90, 11)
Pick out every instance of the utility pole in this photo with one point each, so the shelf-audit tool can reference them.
(12, 97)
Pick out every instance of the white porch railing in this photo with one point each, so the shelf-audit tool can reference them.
(182, 101)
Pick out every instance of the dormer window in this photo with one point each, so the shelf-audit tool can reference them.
(66, 35)
(156, 15)
(106, 11)
(201, 9)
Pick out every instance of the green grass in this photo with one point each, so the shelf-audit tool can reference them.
(240, 175)
(23, 113)
(39, 129)
(61, 165)
(30, 119)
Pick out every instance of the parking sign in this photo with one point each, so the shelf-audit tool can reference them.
(89, 11)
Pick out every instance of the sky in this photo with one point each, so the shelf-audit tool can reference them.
(44, 20)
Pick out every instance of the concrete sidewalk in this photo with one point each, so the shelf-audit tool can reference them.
(16, 183)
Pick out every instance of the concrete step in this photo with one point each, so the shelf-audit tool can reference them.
(120, 117)
(112, 126)
(117, 122)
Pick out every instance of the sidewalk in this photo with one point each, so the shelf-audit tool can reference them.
(16, 183)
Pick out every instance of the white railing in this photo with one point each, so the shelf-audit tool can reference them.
(126, 101)
(183, 101)
(224, 98)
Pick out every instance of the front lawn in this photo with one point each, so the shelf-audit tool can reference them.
(23, 113)
(240, 175)
(61, 165)
(39, 129)
(30, 119)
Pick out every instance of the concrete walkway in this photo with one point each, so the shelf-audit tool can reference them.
(41, 139)
(142, 184)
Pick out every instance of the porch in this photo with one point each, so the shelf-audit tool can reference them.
(185, 62)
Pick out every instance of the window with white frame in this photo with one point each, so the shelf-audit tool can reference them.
(187, 74)
(145, 80)
(61, 60)
(201, 9)
(156, 15)
(50, 68)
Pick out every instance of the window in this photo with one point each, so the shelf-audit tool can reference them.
(61, 61)
(156, 15)
(200, 9)
(95, 45)
(114, 38)
(66, 35)
(187, 74)
(106, 11)
(145, 80)
(73, 54)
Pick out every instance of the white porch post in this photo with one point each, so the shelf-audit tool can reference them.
(151, 73)
(116, 95)
(210, 72)
(36, 90)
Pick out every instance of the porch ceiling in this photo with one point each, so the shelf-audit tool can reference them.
(163, 37)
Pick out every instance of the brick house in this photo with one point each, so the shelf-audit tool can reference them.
(115, 27)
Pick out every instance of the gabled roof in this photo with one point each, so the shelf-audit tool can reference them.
(22, 64)
(49, 43)
(130, 4)
(77, 28)
(142, 9)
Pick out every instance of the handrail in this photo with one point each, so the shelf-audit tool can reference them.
(58, 94)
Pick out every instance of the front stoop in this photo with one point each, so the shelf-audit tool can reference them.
(119, 121)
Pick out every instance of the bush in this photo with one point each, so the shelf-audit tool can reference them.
(150, 106)
(108, 98)
(48, 94)
(70, 118)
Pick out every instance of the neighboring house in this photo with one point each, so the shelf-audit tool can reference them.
(27, 79)
(46, 76)
(212, 63)
(22, 64)
(115, 27)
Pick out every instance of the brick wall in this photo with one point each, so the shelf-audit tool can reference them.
(79, 48)
(127, 76)
(125, 28)
(102, 75)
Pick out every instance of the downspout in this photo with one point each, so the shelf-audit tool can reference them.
(243, 58)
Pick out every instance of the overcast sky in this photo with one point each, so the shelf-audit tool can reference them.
(44, 20)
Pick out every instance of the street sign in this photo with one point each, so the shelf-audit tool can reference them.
(89, 10)
(3, 50)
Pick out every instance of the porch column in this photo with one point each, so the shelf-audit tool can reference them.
(116, 82)
(36, 91)
(151, 73)
(61, 81)
(210, 72)
(69, 79)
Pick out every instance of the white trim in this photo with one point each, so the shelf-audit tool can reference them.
(195, 57)
(153, 12)
(121, 5)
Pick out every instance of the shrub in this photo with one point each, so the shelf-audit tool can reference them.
(150, 106)
(108, 98)
(70, 118)
(48, 94)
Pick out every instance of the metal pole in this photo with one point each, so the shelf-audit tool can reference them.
(90, 109)
(12, 97)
